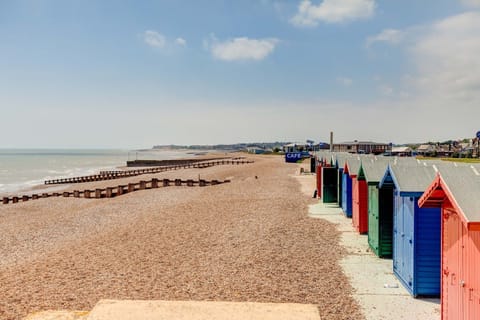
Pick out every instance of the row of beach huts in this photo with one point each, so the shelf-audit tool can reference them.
(425, 215)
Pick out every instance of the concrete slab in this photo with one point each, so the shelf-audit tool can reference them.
(398, 307)
(201, 310)
(353, 242)
(58, 315)
(377, 277)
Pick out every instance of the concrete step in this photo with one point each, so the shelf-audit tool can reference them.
(58, 315)
(183, 310)
(201, 310)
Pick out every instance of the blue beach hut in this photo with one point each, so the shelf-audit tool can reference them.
(416, 231)
(352, 164)
(340, 159)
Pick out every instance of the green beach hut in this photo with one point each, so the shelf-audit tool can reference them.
(378, 201)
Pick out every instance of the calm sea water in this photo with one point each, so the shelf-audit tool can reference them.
(22, 169)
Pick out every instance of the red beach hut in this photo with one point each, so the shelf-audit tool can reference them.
(359, 195)
(456, 191)
(360, 202)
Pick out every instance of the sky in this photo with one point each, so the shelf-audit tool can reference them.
(133, 74)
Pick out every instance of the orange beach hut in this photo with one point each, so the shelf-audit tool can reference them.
(456, 190)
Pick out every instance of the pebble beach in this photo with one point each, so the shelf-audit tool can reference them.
(247, 240)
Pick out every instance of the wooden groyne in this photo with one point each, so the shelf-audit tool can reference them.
(109, 175)
(111, 192)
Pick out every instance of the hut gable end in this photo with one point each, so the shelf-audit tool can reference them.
(460, 186)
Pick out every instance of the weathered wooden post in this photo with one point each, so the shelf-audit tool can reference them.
(190, 182)
(154, 183)
(66, 194)
(98, 193)
(44, 195)
(131, 187)
(109, 192)
(178, 182)
(143, 185)
(86, 193)
(76, 193)
(202, 183)
(14, 199)
(119, 190)
(5, 200)
(166, 182)
(34, 196)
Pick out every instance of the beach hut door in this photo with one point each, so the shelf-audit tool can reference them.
(397, 231)
(452, 279)
(408, 229)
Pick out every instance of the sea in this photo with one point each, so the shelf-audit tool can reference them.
(22, 169)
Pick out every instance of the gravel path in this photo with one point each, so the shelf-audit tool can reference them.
(250, 240)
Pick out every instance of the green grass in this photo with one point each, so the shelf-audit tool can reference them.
(462, 160)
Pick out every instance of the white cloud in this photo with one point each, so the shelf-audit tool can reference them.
(446, 58)
(386, 90)
(392, 36)
(471, 3)
(181, 42)
(332, 11)
(160, 42)
(154, 39)
(345, 81)
(241, 48)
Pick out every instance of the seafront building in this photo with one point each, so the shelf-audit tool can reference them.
(362, 147)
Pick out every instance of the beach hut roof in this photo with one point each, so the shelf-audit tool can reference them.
(410, 178)
(401, 149)
(374, 169)
(353, 165)
(341, 158)
(461, 185)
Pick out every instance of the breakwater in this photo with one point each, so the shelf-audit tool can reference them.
(111, 192)
(109, 175)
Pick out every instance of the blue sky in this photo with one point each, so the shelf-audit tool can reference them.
(137, 73)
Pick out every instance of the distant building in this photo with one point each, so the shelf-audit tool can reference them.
(256, 150)
(401, 151)
(444, 150)
(293, 147)
(309, 146)
(361, 147)
(425, 149)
